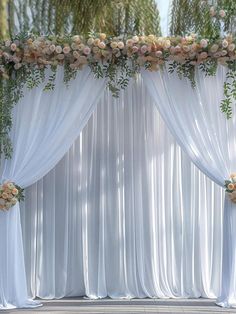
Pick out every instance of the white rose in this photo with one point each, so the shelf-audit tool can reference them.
(212, 11)
(203, 43)
(90, 41)
(167, 44)
(214, 48)
(135, 39)
(76, 38)
(231, 47)
(14, 200)
(234, 179)
(58, 49)
(10, 186)
(225, 43)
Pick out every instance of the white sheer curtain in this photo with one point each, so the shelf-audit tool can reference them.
(194, 117)
(124, 213)
(45, 126)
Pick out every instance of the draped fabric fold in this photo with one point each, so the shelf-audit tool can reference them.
(45, 125)
(208, 138)
(125, 213)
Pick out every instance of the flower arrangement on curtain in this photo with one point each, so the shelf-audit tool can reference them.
(24, 60)
(10, 194)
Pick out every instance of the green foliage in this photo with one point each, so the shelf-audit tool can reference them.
(194, 16)
(229, 90)
(113, 17)
(10, 93)
(20, 196)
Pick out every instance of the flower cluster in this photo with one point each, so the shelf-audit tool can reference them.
(217, 13)
(230, 186)
(149, 51)
(10, 194)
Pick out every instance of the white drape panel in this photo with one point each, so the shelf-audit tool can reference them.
(195, 120)
(124, 213)
(45, 126)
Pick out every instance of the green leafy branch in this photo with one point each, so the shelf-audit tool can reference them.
(229, 90)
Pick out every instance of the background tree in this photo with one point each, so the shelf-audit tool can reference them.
(202, 17)
(82, 16)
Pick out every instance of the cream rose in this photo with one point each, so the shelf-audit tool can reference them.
(90, 41)
(120, 45)
(58, 49)
(102, 45)
(114, 44)
(225, 43)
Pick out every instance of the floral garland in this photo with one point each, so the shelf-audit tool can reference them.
(10, 194)
(24, 59)
(230, 186)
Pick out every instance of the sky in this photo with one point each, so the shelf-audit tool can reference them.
(163, 6)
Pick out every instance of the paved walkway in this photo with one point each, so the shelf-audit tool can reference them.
(80, 305)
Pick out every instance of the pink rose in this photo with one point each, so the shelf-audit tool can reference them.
(86, 50)
(144, 49)
(203, 55)
(135, 49)
(102, 45)
(158, 53)
(222, 13)
(177, 49)
(66, 49)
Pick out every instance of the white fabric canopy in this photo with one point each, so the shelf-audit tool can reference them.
(45, 125)
(124, 213)
(195, 120)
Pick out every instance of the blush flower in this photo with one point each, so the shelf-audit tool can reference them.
(214, 48)
(102, 36)
(231, 47)
(52, 48)
(90, 41)
(225, 43)
(135, 39)
(222, 13)
(86, 50)
(158, 53)
(212, 11)
(102, 45)
(203, 55)
(203, 43)
(66, 49)
(58, 49)
(135, 49)
(114, 44)
(120, 45)
(144, 49)
(13, 47)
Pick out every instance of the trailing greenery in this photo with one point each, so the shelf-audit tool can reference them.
(229, 90)
(24, 59)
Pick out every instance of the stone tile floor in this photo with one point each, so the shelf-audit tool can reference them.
(134, 306)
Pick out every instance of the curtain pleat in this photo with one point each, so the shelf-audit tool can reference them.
(125, 213)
